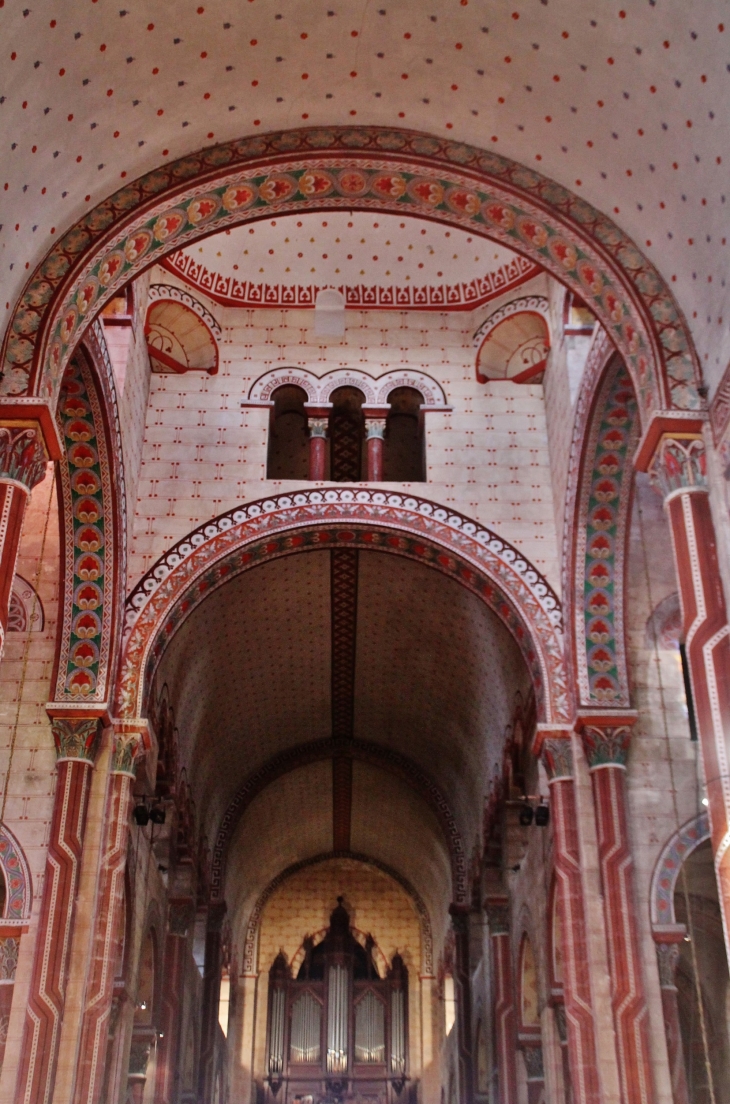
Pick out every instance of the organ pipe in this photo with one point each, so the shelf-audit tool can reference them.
(276, 1032)
(337, 1019)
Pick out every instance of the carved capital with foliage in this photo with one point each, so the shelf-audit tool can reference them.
(131, 742)
(606, 745)
(667, 958)
(557, 758)
(76, 738)
(317, 427)
(679, 464)
(22, 455)
(375, 428)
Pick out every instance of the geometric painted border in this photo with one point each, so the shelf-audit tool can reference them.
(669, 864)
(15, 870)
(363, 168)
(406, 525)
(250, 946)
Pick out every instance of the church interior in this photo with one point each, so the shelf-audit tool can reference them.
(364, 553)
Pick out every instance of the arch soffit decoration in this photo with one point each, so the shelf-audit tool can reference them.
(373, 169)
(187, 305)
(18, 889)
(343, 517)
(365, 751)
(160, 293)
(376, 390)
(596, 531)
(666, 872)
(93, 526)
(528, 304)
(250, 947)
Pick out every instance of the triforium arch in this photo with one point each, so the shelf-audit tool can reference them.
(347, 518)
(365, 168)
(357, 750)
(250, 945)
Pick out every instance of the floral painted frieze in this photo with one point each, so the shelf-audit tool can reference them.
(89, 546)
(367, 168)
(601, 537)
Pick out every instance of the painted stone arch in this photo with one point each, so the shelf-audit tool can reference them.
(666, 872)
(514, 341)
(16, 874)
(250, 947)
(343, 517)
(93, 527)
(368, 168)
(181, 334)
(605, 434)
(366, 751)
(376, 390)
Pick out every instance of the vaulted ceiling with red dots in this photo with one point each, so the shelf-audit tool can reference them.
(626, 105)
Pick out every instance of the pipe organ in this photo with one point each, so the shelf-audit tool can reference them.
(337, 1029)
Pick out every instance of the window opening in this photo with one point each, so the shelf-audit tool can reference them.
(691, 717)
(347, 436)
(288, 442)
(578, 318)
(449, 1003)
(403, 459)
(224, 1000)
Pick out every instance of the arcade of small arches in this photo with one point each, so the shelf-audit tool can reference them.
(383, 657)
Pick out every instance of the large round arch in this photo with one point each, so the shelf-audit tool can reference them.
(348, 517)
(365, 168)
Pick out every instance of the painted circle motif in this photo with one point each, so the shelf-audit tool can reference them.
(278, 187)
(203, 209)
(169, 225)
(389, 185)
(427, 192)
(315, 182)
(110, 267)
(239, 196)
(353, 182)
(137, 245)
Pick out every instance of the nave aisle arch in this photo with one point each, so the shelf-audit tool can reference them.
(367, 168)
(401, 524)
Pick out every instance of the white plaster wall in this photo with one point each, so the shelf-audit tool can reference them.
(202, 454)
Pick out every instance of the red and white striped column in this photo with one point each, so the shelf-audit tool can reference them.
(678, 470)
(505, 1018)
(131, 741)
(606, 740)
(667, 950)
(23, 460)
(181, 916)
(76, 742)
(375, 424)
(557, 756)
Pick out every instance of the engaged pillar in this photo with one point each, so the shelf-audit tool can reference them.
(557, 756)
(318, 424)
(131, 741)
(678, 470)
(505, 1021)
(606, 740)
(667, 952)
(375, 422)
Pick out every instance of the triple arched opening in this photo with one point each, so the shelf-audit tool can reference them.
(347, 430)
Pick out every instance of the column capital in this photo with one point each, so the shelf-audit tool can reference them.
(556, 753)
(606, 736)
(679, 464)
(666, 423)
(497, 910)
(31, 412)
(667, 956)
(317, 427)
(23, 455)
(374, 428)
(131, 741)
(76, 737)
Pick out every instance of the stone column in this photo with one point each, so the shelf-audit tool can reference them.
(462, 983)
(76, 740)
(606, 739)
(182, 913)
(23, 460)
(667, 951)
(535, 1068)
(131, 740)
(557, 756)
(678, 471)
(374, 435)
(318, 416)
(211, 996)
(505, 1020)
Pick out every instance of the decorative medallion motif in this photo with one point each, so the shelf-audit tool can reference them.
(89, 549)
(415, 174)
(600, 543)
(669, 863)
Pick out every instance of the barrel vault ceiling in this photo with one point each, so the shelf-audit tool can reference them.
(625, 105)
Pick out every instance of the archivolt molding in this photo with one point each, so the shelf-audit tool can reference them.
(532, 304)
(250, 947)
(666, 872)
(375, 389)
(93, 527)
(160, 292)
(314, 751)
(19, 896)
(373, 169)
(344, 517)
